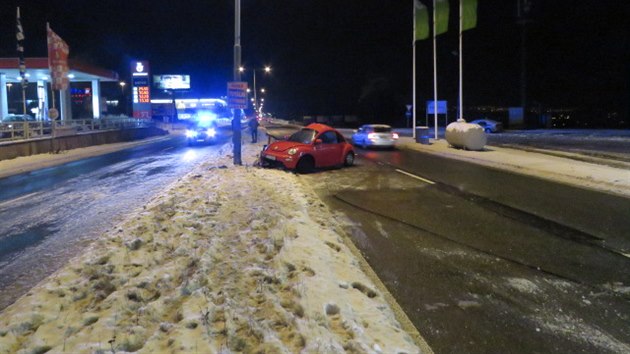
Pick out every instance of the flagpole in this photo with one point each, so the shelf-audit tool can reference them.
(413, 129)
(461, 85)
(435, 120)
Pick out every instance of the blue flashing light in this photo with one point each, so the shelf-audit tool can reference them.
(205, 118)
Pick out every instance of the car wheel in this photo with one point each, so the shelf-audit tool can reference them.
(364, 145)
(305, 165)
(349, 159)
(488, 130)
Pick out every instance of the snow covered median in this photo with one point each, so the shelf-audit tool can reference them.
(226, 260)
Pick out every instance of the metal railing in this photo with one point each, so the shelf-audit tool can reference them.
(11, 131)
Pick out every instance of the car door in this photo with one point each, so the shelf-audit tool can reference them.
(328, 151)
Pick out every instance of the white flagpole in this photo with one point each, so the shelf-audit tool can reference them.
(413, 129)
(461, 85)
(435, 120)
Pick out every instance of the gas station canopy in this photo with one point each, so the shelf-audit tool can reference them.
(37, 70)
(38, 73)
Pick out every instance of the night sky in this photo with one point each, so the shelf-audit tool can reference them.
(350, 56)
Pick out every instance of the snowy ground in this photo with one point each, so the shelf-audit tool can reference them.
(227, 259)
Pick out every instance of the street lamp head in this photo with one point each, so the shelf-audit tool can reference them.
(262, 90)
(241, 69)
(122, 84)
(267, 69)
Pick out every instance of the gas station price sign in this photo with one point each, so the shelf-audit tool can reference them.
(143, 94)
(141, 89)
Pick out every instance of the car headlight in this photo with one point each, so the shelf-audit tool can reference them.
(292, 151)
(191, 134)
(211, 132)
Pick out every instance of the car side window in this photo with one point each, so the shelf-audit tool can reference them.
(329, 137)
(340, 138)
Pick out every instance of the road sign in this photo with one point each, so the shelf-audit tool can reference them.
(237, 95)
(441, 107)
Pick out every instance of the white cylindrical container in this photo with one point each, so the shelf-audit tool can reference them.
(465, 135)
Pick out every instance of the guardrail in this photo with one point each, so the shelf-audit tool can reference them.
(12, 131)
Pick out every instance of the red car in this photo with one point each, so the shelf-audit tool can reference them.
(316, 145)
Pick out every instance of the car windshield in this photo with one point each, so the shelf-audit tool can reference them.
(382, 129)
(304, 136)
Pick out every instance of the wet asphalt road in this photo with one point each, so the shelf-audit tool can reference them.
(50, 215)
(482, 261)
(485, 261)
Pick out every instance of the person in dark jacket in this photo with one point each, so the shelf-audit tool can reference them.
(253, 127)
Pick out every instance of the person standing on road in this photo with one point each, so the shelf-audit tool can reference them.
(253, 127)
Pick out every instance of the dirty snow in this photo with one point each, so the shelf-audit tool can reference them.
(523, 285)
(227, 259)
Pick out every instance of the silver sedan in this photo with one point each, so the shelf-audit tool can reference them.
(375, 135)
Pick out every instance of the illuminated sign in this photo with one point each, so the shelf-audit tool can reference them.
(172, 82)
(237, 95)
(141, 92)
(140, 68)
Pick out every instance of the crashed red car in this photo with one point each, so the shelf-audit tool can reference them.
(314, 146)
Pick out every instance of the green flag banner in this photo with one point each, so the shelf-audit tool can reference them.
(441, 16)
(420, 21)
(469, 14)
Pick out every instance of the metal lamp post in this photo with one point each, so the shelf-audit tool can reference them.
(236, 120)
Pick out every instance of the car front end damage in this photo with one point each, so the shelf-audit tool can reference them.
(272, 157)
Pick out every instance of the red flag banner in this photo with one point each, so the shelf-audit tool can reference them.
(58, 52)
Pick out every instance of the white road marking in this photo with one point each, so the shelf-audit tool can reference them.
(414, 176)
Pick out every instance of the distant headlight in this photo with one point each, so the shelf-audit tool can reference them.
(191, 134)
(292, 151)
(211, 132)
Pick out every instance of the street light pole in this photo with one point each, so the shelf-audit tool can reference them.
(255, 98)
(236, 120)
